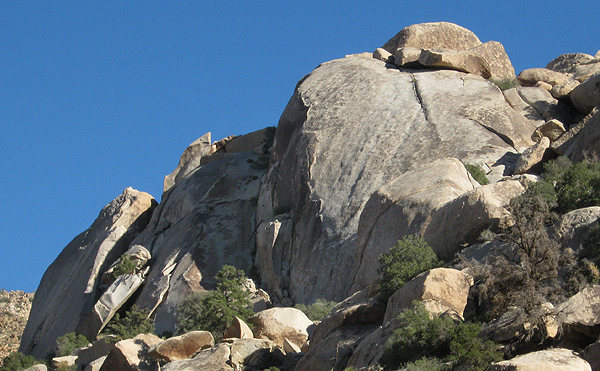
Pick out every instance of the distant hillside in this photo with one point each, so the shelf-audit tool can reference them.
(14, 311)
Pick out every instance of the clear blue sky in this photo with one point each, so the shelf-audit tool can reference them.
(98, 96)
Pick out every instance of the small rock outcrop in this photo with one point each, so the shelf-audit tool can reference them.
(436, 35)
(132, 354)
(579, 316)
(182, 347)
(69, 288)
(445, 286)
(557, 359)
(190, 159)
(239, 330)
(278, 324)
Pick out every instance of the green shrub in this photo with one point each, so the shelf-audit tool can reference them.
(134, 322)
(66, 344)
(4, 299)
(423, 339)
(125, 266)
(17, 361)
(427, 364)
(409, 257)
(317, 310)
(576, 185)
(215, 311)
(505, 83)
(469, 350)
(477, 173)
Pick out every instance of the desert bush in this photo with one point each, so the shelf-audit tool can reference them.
(125, 266)
(477, 173)
(409, 257)
(215, 311)
(134, 322)
(17, 361)
(66, 344)
(576, 185)
(317, 310)
(423, 338)
(505, 83)
(427, 364)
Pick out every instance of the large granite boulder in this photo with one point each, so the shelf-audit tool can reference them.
(579, 316)
(189, 160)
(446, 286)
(435, 35)
(132, 354)
(278, 324)
(586, 95)
(545, 104)
(532, 157)
(205, 221)
(582, 139)
(215, 358)
(69, 288)
(557, 359)
(573, 227)
(566, 63)
(238, 329)
(531, 76)
(460, 60)
(413, 118)
(182, 347)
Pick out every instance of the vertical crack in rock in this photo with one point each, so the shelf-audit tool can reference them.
(415, 86)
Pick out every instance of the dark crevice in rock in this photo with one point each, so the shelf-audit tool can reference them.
(415, 86)
(504, 138)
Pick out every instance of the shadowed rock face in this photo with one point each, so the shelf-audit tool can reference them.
(354, 125)
(205, 221)
(68, 289)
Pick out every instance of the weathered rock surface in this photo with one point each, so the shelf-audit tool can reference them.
(579, 316)
(566, 63)
(95, 365)
(532, 157)
(252, 142)
(585, 70)
(60, 362)
(446, 286)
(238, 329)
(563, 91)
(252, 353)
(205, 221)
(545, 104)
(591, 355)
(448, 212)
(362, 308)
(586, 95)
(549, 359)
(333, 340)
(552, 130)
(215, 358)
(100, 348)
(131, 354)
(407, 56)
(435, 35)
(460, 60)
(531, 76)
(518, 104)
(68, 289)
(290, 348)
(327, 115)
(190, 159)
(581, 140)
(138, 254)
(109, 303)
(182, 347)
(383, 55)
(278, 324)
(573, 226)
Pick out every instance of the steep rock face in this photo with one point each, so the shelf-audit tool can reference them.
(205, 221)
(352, 126)
(190, 159)
(68, 289)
